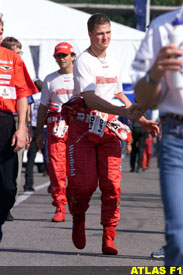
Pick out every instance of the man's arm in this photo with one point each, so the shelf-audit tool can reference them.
(93, 101)
(147, 94)
(19, 137)
(42, 114)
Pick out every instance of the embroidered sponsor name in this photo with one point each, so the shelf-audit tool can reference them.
(5, 76)
(71, 160)
(97, 122)
(7, 92)
(6, 61)
(121, 130)
(63, 92)
(4, 82)
(106, 80)
(92, 120)
(81, 116)
(60, 128)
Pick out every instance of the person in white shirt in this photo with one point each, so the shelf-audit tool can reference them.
(151, 73)
(57, 89)
(31, 153)
(94, 151)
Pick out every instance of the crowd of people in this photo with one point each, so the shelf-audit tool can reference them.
(80, 104)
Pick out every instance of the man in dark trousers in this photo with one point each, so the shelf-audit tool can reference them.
(14, 90)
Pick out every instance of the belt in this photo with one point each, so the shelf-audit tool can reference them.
(5, 113)
(174, 116)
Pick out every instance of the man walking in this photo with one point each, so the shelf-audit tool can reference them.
(13, 98)
(94, 150)
(56, 90)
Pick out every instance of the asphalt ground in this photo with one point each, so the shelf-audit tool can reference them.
(32, 243)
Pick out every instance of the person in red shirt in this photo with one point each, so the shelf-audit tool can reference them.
(15, 86)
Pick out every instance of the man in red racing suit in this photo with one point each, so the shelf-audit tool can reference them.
(94, 149)
(56, 90)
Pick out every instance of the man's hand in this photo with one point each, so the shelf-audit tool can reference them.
(133, 112)
(29, 137)
(166, 61)
(128, 148)
(149, 126)
(19, 139)
(40, 140)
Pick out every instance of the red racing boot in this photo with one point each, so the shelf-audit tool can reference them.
(78, 231)
(59, 215)
(108, 246)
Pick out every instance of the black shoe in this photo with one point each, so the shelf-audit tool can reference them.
(29, 189)
(132, 170)
(138, 170)
(9, 218)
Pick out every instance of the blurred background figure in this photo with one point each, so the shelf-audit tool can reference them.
(33, 149)
(147, 155)
(138, 146)
(139, 136)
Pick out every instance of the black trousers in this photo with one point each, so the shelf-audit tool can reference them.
(138, 146)
(8, 165)
(31, 154)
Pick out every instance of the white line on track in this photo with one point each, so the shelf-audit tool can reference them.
(27, 194)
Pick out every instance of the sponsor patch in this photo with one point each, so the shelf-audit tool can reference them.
(4, 82)
(71, 160)
(5, 76)
(5, 68)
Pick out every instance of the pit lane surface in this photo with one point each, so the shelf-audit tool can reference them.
(33, 240)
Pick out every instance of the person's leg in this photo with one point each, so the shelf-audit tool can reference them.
(144, 158)
(31, 154)
(134, 151)
(171, 180)
(20, 153)
(57, 171)
(141, 147)
(82, 177)
(8, 167)
(44, 151)
(109, 160)
(149, 151)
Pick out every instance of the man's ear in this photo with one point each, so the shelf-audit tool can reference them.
(89, 33)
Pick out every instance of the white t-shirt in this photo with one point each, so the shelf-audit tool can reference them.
(57, 88)
(34, 108)
(157, 37)
(91, 74)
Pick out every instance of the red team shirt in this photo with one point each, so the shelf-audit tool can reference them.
(15, 81)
